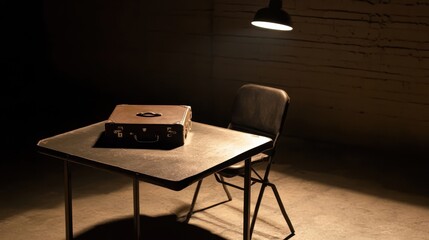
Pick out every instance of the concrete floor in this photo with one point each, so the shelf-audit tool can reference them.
(329, 192)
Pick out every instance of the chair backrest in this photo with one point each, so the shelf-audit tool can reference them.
(259, 110)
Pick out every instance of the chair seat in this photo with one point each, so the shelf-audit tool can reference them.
(238, 168)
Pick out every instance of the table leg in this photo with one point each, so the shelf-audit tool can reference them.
(246, 207)
(136, 203)
(68, 201)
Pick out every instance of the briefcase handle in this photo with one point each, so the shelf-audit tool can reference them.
(148, 114)
(156, 139)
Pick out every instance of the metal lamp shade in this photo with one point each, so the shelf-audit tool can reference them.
(273, 17)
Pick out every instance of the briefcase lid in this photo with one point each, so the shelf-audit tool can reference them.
(149, 114)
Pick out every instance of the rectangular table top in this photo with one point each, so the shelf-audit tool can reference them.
(207, 149)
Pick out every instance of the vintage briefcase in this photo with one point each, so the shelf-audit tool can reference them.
(148, 126)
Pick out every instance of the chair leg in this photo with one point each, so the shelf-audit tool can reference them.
(279, 202)
(282, 208)
(225, 188)
(194, 200)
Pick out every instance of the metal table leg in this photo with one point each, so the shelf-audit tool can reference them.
(136, 203)
(246, 207)
(68, 201)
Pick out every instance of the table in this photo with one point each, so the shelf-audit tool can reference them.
(207, 149)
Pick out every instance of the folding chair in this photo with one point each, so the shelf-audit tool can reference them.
(258, 110)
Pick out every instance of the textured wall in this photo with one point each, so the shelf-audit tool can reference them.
(357, 71)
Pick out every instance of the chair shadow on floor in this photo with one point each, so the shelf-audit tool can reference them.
(161, 227)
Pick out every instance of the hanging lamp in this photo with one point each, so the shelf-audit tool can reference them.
(273, 17)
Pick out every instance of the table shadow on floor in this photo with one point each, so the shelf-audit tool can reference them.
(161, 227)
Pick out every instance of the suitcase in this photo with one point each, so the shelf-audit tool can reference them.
(148, 126)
